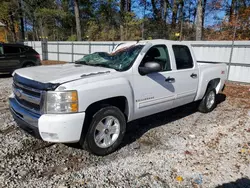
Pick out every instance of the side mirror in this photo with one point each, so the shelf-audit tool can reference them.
(150, 67)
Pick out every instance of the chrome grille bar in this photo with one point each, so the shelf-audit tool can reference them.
(29, 98)
(22, 95)
(27, 88)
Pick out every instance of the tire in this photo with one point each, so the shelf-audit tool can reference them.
(208, 102)
(106, 131)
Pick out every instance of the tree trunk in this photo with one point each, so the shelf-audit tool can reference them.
(231, 11)
(122, 9)
(129, 5)
(33, 30)
(181, 18)
(22, 36)
(78, 25)
(41, 28)
(12, 27)
(155, 10)
(180, 9)
(199, 21)
(164, 6)
(174, 13)
(144, 11)
(121, 32)
(203, 12)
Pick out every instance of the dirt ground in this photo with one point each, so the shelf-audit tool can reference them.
(176, 148)
(50, 62)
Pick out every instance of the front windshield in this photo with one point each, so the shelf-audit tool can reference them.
(119, 60)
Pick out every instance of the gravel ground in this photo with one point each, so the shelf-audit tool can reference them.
(177, 148)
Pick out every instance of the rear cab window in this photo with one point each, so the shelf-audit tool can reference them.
(183, 57)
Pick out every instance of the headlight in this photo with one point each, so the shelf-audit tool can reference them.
(61, 102)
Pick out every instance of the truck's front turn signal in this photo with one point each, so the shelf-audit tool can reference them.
(61, 102)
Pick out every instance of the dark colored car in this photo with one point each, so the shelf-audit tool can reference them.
(15, 56)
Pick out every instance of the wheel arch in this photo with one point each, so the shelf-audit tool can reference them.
(213, 83)
(120, 102)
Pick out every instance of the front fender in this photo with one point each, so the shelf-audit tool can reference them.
(91, 92)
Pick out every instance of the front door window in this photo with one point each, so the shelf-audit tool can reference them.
(158, 54)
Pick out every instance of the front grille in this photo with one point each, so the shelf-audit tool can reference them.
(29, 98)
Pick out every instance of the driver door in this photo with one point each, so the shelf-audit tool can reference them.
(154, 92)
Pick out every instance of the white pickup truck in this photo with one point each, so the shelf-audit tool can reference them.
(90, 101)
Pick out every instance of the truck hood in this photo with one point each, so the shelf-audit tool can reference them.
(61, 73)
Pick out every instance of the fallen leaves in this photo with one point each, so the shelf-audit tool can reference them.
(179, 178)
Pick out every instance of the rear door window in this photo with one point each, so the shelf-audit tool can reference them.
(11, 50)
(183, 57)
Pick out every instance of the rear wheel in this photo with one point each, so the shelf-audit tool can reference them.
(208, 102)
(106, 131)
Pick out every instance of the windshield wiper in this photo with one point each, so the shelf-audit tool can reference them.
(100, 65)
(104, 65)
(81, 62)
(95, 64)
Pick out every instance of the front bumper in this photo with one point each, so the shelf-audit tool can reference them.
(61, 128)
(26, 120)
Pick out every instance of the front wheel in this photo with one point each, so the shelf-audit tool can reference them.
(208, 102)
(106, 131)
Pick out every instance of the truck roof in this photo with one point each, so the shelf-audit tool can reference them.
(154, 41)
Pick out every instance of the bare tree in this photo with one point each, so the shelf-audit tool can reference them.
(78, 25)
(164, 5)
(174, 13)
(12, 25)
(128, 5)
(231, 11)
(199, 21)
(122, 9)
(155, 10)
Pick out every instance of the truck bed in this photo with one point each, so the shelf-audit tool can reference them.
(209, 71)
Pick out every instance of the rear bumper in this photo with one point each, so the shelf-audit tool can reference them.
(58, 128)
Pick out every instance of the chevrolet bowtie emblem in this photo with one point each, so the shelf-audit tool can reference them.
(18, 93)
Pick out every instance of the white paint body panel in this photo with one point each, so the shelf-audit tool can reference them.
(59, 73)
(63, 127)
(145, 95)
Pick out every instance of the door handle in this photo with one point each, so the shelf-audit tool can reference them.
(170, 80)
(193, 75)
(1, 57)
(22, 55)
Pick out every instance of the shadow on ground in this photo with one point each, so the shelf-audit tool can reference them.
(5, 75)
(139, 127)
(240, 183)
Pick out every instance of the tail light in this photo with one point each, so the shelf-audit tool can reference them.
(37, 56)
